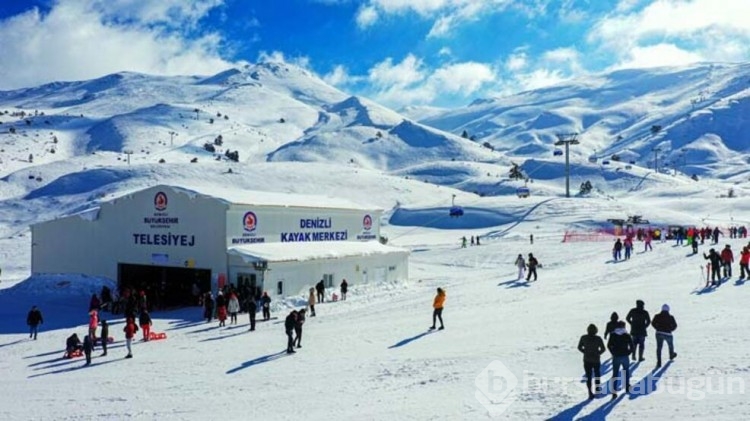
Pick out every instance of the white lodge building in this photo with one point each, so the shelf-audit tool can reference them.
(166, 238)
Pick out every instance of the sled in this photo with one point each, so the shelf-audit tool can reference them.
(75, 354)
(154, 336)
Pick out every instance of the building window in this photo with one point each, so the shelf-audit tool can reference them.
(328, 280)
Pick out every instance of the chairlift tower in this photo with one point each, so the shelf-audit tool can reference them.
(567, 139)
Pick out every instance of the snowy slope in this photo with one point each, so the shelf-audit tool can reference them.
(701, 112)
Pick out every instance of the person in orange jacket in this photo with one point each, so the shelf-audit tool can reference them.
(437, 306)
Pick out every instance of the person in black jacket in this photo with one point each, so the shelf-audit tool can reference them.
(611, 325)
(639, 320)
(289, 323)
(664, 324)
(208, 307)
(34, 319)
(715, 260)
(88, 346)
(592, 347)
(265, 301)
(320, 287)
(298, 327)
(344, 289)
(251, 310)
(620, 344)
(105, 337)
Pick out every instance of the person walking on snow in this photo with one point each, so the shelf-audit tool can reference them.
(130, 330)
(344, 289)
(664, 324)
(614, 318)
(233, 307)
(320, 287)
(437, 306)
(463, 242)
(592, 347)
(727, 258)
(144, 320)
(639, 320)
(521, 265)
(744, 262)
(289, 323)
(617, 250)
(298, 328)
(88, 346)
(715, 263)
(311, 302)
(628, 244)
(34, 319)
(252, 308)
(93, 324)
(620, 344)
(532, 264)
(208, 307)
(104, 337)
(647, 243)
(266, 304)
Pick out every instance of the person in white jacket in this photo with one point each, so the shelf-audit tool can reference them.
(233, 308)
(521, 265)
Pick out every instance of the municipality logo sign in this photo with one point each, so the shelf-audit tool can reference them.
(496, 388)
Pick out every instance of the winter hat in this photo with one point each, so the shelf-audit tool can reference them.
(665, 307)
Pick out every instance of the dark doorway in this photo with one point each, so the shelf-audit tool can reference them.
(165, 286)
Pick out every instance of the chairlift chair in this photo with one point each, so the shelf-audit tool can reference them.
(605, 162)
(558, 152)
(455, 211)
(523, 192)
(593, 159)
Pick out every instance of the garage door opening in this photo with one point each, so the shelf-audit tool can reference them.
(165, 286)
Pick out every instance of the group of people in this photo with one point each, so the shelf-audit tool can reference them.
(624, 346)
(531, 264)
(474, 241)
(722, 262)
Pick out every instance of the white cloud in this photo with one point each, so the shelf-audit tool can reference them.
(367, 16)
(698, 28)
(464, 78)
(279, 57)
(658, 55)
(516, 62)
(339, 76)
(79, 39)
(405, 73)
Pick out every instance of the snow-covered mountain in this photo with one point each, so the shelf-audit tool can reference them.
(695, 118)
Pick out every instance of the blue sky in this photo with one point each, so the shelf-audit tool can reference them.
(397, 52)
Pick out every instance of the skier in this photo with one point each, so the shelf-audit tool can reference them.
(320, 287)
(616, 250)
(144, 320)
(664, 324)
(437, 306)
(620, 344)
(694, 243)
(639, 320)
(311, 302)
(715, 260)
(34, 319)
(532, 264)
(592, 347)
(266, 303)
(298, 328)
(130, 330)
(289, 323)
(744, 261)
(612, 324)
(344, 289)
(104, 337)
(463, 242)
(715, 235)
(233, 307)
(727, 258)
(88, 346)
(521, 265)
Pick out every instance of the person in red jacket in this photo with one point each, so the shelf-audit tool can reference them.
(665, 324)
(744, 262)
(130, 329)
(145, 321)
(727, 258)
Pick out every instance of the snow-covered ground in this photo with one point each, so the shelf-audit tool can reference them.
(371, 356)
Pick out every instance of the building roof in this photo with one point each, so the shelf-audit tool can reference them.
(240, 196)
(300, 252)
